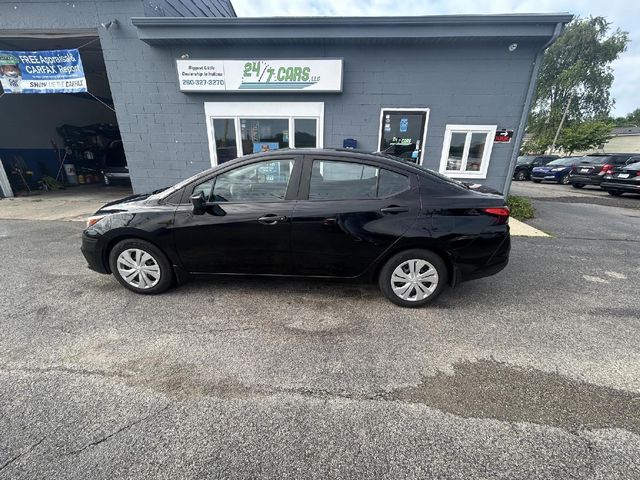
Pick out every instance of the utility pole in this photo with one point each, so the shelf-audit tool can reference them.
(564, 116)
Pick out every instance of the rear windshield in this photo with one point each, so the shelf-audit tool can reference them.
(633, 166)
(563, 161)
(593, 160)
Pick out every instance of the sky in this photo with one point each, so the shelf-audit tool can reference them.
(623, 14)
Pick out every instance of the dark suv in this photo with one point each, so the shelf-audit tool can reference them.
(592, 168)
(525, 165)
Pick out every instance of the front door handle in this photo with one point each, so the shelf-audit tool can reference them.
(393, 209)
(272, 219)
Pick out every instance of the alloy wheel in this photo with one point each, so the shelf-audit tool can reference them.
(138, 268)
(414, 280)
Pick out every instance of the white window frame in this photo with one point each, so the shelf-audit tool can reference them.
(488, 130)
(257, 110)
(412, 109)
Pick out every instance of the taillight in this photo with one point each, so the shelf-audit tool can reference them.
(606, 169)
(501, 213)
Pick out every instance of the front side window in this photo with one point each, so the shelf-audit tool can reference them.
(258, 182)
(467, 150)
(335, 180)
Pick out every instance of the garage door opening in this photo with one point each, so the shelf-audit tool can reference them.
(62, 142)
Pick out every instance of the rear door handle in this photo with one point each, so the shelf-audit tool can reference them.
(272, 219)
(393, 209)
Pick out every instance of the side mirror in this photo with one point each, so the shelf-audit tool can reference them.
(199, 203)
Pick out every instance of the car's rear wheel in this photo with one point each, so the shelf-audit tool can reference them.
(537, 181)
(413, 278)
(564, 180)
(521, 175)
(140, 266)
(577, 185)
(614, 193)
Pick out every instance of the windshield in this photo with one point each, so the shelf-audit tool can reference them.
(525, 159)
(563, 162)
(593, 160)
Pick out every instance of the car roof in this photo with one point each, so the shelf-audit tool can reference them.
(338, 152)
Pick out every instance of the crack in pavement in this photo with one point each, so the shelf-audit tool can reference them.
(21, 454)
(116, 432)
(61, 369)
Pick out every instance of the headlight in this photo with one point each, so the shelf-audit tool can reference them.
(91, 221)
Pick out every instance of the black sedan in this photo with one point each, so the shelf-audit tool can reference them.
(592, 168)
(623, 180)
(306, 213)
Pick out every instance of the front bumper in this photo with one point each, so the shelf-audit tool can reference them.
(622, 187)
(92, 250)
(546, 177)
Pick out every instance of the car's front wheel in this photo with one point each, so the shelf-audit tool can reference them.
(614, 193)
(577, 185)
(521, 175)
(140, 266)
(564, 180)
(413, 278)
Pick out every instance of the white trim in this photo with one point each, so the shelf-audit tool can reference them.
(488, 130)
(398, 109)
(236, 110)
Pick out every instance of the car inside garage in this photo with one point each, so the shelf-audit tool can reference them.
(53, 141)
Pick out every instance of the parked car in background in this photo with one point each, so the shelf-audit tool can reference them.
(591, 169)
(555, 171)
(624, 179)
(115, 169)
(526, 163)
(306, 213)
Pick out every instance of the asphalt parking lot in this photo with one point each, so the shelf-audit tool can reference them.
(532, 373)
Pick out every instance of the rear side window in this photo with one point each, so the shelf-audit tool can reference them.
(335, 180)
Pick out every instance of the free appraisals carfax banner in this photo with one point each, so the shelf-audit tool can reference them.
(50, 71)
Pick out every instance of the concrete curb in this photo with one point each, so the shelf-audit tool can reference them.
(520, 229)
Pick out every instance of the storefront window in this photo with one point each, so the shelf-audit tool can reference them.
(467, 150)
(225, 135)
(243, 128)
(305, 132)
(264, 134)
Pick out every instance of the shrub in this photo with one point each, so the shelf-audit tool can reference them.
(521, 208)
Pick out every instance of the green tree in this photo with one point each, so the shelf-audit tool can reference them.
(630, 120)
(576, 72)
(584, 135)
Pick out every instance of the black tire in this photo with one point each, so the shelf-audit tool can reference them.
(614, 193)
(384, 279)
(521, 176)
(564, 180)
(537, 181)
(165, 270)
(577, 185)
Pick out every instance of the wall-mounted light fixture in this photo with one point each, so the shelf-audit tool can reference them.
(110, 24)
(184, 56)
(512, 47)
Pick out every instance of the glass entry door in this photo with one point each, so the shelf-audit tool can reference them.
(242, 128)
(402, 133)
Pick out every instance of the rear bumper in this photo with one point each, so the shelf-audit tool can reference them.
(465, 270)
(586, 179)
(622, 187)
(92, 250)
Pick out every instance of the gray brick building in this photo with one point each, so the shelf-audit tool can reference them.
(438, 90)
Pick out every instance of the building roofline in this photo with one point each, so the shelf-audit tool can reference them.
(229, 29)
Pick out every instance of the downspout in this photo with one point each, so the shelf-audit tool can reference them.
(537, 63)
